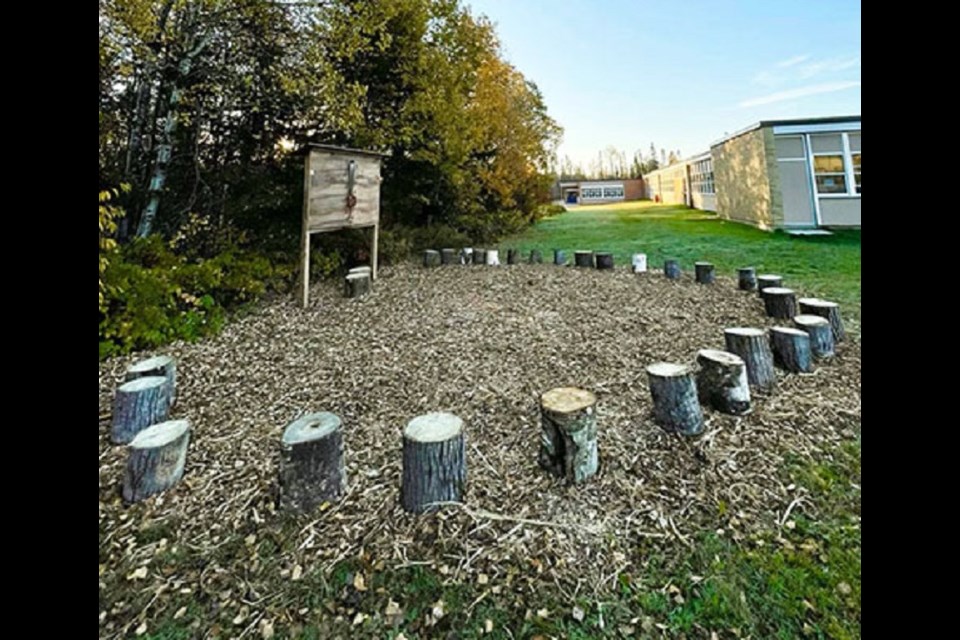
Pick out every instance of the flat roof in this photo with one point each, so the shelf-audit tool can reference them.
(347, 150)
(795, 122)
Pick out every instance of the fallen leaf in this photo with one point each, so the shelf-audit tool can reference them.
(266, 629)
(543, 613)
(138, 574)
(393, 609)
(296, 573)
(358, 582)
(142, 629)
(488, 625)
(483, 578)
(359, 618)
(578, 614)
(180, 613)
(844, 589)
(437, 610)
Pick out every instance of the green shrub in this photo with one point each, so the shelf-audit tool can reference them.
(547, 210)
(396, 245)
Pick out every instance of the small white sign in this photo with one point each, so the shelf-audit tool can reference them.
(639, 263)
(493, 257)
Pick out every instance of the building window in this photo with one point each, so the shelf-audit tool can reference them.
(701, 176)
(829, 173)
(856, 170)
(613, 192)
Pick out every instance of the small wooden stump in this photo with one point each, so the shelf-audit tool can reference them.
(479, 256)
(704, 272)
(466, 255)
(671, 269)
(568, 440)
(361, 269)
(513, 256)
(768, 280)
(779, 302)
(791, 349)
(828, 310)
(356, 285)
(722, 381)
(311, 462)
(137, 405)
(163, 366)
(583, 258)
(559, 257)
(449, 256)
(746, 278)
(638, 262)
(493, 257)
(820, 332)
(434, 461)
(604, 260)
(431, 258)
(753, 347)
(536, 257)
(156, 460)
(675, 403)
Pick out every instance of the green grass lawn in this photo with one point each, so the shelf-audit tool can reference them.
(828, 266)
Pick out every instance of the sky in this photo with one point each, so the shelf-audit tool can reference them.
(680, 74)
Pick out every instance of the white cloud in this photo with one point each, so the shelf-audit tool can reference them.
(800, 92)
(829, 65)
(795, 60)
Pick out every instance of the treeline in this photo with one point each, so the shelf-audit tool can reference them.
(613, 163)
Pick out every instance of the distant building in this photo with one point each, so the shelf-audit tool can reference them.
(599, 191)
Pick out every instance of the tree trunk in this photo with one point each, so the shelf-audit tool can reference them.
(356, 285)
(493, 257)
(434, 461)
(513, 256)
(747, 278)
(137, 405)
(791, 349)
(568, 439)
(704, 272)
(559, 257)
(583, 258)
(671, 269)
(604, 260)
(828, 310)
(639, 262)
(820, 332)
(479, 256)
(163, 366)
(779, 302)
(675, 403)
(754, 348)
(312, 470)
(768, 280)
(448, 256)
(722, 381)
(536, 257)
(466, 255)
(156, 459)
(431, 258)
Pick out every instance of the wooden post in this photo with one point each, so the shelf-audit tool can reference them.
(639, 262)
(466, 255)
(722, 381)
(675, 403)
(513, 256)
(448, 256)
(375, 252)
(356, 285)
(305, 237)
(704, 272)
(820, 332)
(479, 256)
(137, 405)
(791, 349)
(431, 258)
(536, 257)
(828, 310)
(604, 260)
(746, 278)
(559, 257)
(768, 280)
(671, 269)
(568, 439)
(493, 257)
(779, 302)
(163, 366)
(156, 459)
(434, 461)
(583, 258)
(312, 470)
(754, 348)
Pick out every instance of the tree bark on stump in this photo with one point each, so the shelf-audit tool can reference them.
(312, 469)
(779, 302)
(513, 256)
(746, 278)
(639, 262)
(704, 271)
(753, 347)
(768, 280)
(356, 285)
(828, 310)
(722, 381)
(479, 256)
(163, 366)
(583, 258)
(493, 257)
(137, 405)
(434, 461)
(536, 257)
(820, 332)
(604, 260)
(676, 406)
(671, 269)
(568, 439)
(559, 257)
(156, 459)
(448, 256)
(364, 269)
(431, 258)
(791, 349)
(466, 255)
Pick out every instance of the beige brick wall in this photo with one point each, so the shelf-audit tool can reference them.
(747, 180)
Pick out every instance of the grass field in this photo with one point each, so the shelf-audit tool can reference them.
(826, 266)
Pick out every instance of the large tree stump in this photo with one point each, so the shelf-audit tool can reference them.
(820, 332)
(722, 381)
(137, 405)
(746, 278)
(568, 439)
(356, 285)
(513, 256)
(163, 366)
(604, 260)
(311, 462)
(779, 302)
(828, 310)
(705, 273)
(559, 257)
(479, 256)
(753, 347)
(671, 269)
(675, 403)
(448, 256)
(493, 257)
(434, 461)
(466, 255)
(431, 258)
(583, 258)
(638, 262)
(536, 257)
(791, 349)
(156, 459)
(768, 280)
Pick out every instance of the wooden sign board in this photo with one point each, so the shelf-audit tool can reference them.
(341, 190)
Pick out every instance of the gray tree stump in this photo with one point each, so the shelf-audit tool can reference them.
(828, 310)
(363, 269)
(583, 258)
(753, 347)
(568, 439)
(466, 255)
(156, 459)
(779, 302)
(671, 269)
(604, 260)
(559, 257)
(493, 257)
(479, 256)
(137, 405)
(536, 257)
(722, 381)
(434, 461)
(163, 366)
(704, 272)
(513, 256)
(820, 332)
(639, 262)
(449, 256)
(746, 278)
(675, 403)
(791, 349)
(311, 462)
(768, 280)
(356, 285)
(431, 258)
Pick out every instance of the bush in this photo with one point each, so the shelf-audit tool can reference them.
(547, 210)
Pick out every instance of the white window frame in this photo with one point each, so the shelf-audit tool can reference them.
(847, 157)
